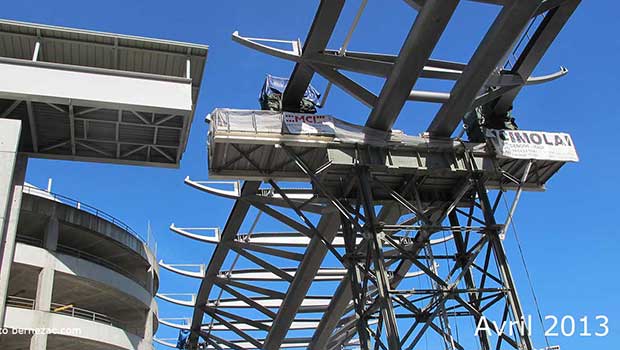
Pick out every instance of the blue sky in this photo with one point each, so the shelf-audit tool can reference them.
(568, 233)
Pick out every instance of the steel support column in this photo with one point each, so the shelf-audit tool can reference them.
(502, 263)
(374, 234)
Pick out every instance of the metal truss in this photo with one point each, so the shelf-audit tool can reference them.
(485, 78)
(125, 135)
(60, 127)
(409, 269)
(404, 268)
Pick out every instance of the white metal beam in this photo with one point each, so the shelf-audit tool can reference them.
(86, 87)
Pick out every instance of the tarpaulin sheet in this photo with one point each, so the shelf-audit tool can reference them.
(273, 122)
(278, 85)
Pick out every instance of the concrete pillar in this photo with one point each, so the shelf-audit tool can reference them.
(50, 236)
(148, 326)
(148, 323)
(38, 342)
(45, 284)
(12, 175)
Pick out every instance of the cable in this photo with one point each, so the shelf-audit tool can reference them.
(527, 273)
(345, 44)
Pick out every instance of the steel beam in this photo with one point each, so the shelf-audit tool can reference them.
(32, 122)
(429, 24)
(343, 295)
(297, 290)
(318, 37)
(500, 38)
(357, 91)
(535, 49)
(235, 220)
(496, 244)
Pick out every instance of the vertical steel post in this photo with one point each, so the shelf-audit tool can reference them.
(495, 241)
(461, 251)
(515, 201)
(375, 231)
(350, 239)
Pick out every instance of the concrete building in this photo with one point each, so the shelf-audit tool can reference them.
(82, 273)
(72, 94)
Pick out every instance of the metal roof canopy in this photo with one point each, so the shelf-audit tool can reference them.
(91, 96)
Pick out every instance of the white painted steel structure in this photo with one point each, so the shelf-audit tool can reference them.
(93, 96)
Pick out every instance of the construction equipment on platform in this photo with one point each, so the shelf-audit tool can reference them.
(271, 96)
(484, 117)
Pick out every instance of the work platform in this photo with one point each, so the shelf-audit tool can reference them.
(92, 96)
(258, 146)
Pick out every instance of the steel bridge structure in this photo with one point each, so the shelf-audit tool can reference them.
(406, 235)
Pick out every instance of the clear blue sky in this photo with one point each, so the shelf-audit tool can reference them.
(568, 233)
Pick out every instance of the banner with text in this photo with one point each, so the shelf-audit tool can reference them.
(309, 124)
(522, 144)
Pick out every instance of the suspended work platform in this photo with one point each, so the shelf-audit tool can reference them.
(259, 145)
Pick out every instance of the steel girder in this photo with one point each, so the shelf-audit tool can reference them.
(424, 35)
(318, 37)
(485, 71)
(491, 53)
(542, 38)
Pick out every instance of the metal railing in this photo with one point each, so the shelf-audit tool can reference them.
(68, 310)
(22, 303)
(103, 262)
(84, 207)
(72, 311)
(29, 240)
(141, 280)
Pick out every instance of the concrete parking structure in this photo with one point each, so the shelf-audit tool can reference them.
(81, 274)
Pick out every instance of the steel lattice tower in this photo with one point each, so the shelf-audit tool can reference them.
(415, 229)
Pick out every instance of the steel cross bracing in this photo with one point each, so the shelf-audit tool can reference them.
(83, 136)
(411, 266)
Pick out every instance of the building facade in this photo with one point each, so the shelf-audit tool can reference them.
(80, 275)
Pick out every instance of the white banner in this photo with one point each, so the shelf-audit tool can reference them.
(309, 124)
(521, 144)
